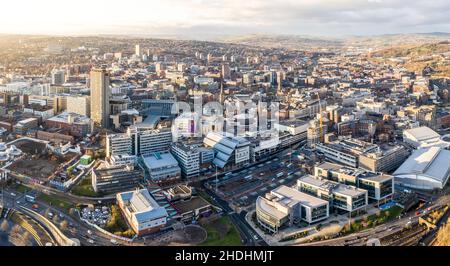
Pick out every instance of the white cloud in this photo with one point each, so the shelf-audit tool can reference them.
(230, 16)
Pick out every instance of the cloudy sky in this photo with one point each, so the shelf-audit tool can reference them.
(223, 17)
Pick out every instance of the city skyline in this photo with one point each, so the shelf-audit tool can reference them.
(195, 19)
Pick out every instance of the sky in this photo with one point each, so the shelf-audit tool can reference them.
(224, 17)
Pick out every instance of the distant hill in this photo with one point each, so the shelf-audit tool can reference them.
(302, 42)
(417, 57)
(414, 50)
(294, 42)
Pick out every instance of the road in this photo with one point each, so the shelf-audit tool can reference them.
(63, 195)
(249, 236)
(76, 229)
(380, 231)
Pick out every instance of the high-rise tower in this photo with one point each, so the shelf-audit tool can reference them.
(222, 93)
(279, 80)
(100, 96)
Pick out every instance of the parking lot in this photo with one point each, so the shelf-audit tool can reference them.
(243, 187)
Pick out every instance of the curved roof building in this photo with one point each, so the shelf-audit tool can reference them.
(426, 168)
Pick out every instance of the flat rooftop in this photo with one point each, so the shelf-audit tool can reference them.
(329, 166)
(293, 123)
(159, 160)
(331, 186)
(289, 196)
(189, 205)
(422, 133)
(64, 118)
(375, 177)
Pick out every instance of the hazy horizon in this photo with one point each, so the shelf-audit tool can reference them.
(333, 18)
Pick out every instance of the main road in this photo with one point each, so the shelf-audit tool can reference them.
(76, 228)
(380, 231)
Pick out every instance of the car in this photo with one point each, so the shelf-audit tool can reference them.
(18, 202)
(90, 241)
(113, 241)
(89, 232)
(13, 194)
(255, 237)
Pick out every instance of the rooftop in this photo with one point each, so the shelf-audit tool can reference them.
(331, 186)
(159, 160)
(289, 196)
(432, 162)
(76, 118)
(190, 205)
(142, 205)
(422, 133)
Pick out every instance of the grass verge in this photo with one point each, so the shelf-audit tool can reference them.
(222, 233)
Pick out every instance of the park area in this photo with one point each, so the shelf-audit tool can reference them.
(84, 188)
(221, 232)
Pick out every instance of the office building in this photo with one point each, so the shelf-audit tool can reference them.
(162, 167)
(343, 197)
(146, 141)
(379, 186)
(346, 151)
(77, 125)
(387, 158)
(226, 71)
(121, 160)
(138, 141)
(58, 77)
(116, 179)
(118, 144)
(188, 157)
(138, 50)
(100, 94)
(286, 206)
(79, 105)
